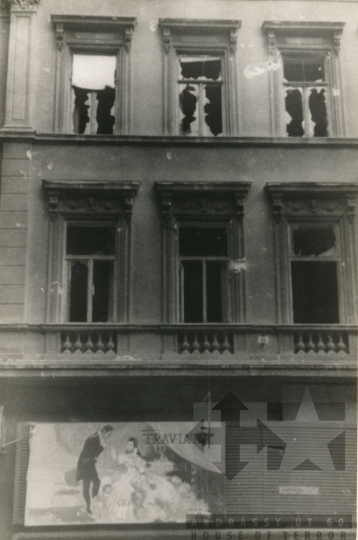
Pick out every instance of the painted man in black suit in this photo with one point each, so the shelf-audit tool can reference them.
(86, 466)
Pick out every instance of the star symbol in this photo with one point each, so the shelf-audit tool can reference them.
(307, 439)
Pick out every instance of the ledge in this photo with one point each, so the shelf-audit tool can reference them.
(149, 141)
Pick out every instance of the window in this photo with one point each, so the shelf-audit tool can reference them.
(315, 252)
(93, 53)
(305, 87)
(89, 261)
(200, 98)
(314, 258)
(90, 268)
(93, 93)
(203, 273)
(200, 77)
(203, 245)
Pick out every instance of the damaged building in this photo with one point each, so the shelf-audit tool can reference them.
(178, 269)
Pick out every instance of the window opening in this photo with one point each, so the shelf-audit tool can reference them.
(203, 256)
(305, 97)
(200, 95)
(90, 254)
(93, 84)
(314, 261)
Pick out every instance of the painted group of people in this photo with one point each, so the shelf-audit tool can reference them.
(132, 491)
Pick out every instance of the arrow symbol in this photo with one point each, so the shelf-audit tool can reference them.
(230, 407)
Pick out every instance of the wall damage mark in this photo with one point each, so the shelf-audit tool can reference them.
(237, 266)
(251, 71)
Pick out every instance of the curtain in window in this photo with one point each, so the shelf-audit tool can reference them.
(93, 72)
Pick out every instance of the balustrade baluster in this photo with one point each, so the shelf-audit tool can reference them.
(226, 345)
(78, 342)
(184, 348)
(215, 344)
(330, 345)
(320, 345)
(310, 344)
(67, 345)
(100, 344)
(110, 343)
(89, 344)
(206, 344)
(300, 347)
(341, 345)
(195, 345)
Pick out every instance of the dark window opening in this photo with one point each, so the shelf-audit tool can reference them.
(213, 109)
(90, 255)
(294, 108)
(203, 256)
(102, 286)
(313, 241)
(90, 240)
(299, 70)
(318, 110)
(315, 292)
(89, 105)
(197, 241)
(78, 292)
(188, 100)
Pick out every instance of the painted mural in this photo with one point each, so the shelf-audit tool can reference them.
(118, 473)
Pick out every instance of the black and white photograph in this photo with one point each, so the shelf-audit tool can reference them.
(178, 269)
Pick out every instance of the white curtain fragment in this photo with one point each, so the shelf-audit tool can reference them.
(93, 72)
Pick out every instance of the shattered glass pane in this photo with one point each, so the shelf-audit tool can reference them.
(93, 111)
(313, 241)
(200, 67)
(188, 99)
(294, 108)
(213, 109)
(318, 110)
(81, 110)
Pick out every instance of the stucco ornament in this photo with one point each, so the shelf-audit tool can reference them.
(24, 5)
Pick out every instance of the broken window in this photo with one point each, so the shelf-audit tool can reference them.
(306, 93)
(200, 95)
(93, 84)
(203, 262)
(90, 259)
(314, 263)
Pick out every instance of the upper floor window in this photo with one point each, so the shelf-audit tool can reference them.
(93, 54)
(203, 243)
(305, 86)
(94, 93)
(89, 262)
(315, 252)
(200, 77)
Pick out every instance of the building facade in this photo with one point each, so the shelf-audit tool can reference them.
(178, 260)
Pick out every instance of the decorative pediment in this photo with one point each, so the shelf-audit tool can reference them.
(172, 27)
(310, 199)
(73, 197)
(192, 199)
(280, 33)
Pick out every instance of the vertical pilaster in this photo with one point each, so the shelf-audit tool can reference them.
(17, 116)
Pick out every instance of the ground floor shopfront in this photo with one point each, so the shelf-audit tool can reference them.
(217, 456)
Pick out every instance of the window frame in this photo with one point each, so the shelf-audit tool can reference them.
(92, 36)
(319, 40)
(317, 205)
(88, 203)
(66, 279)
(203, 204)
(200, 37)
